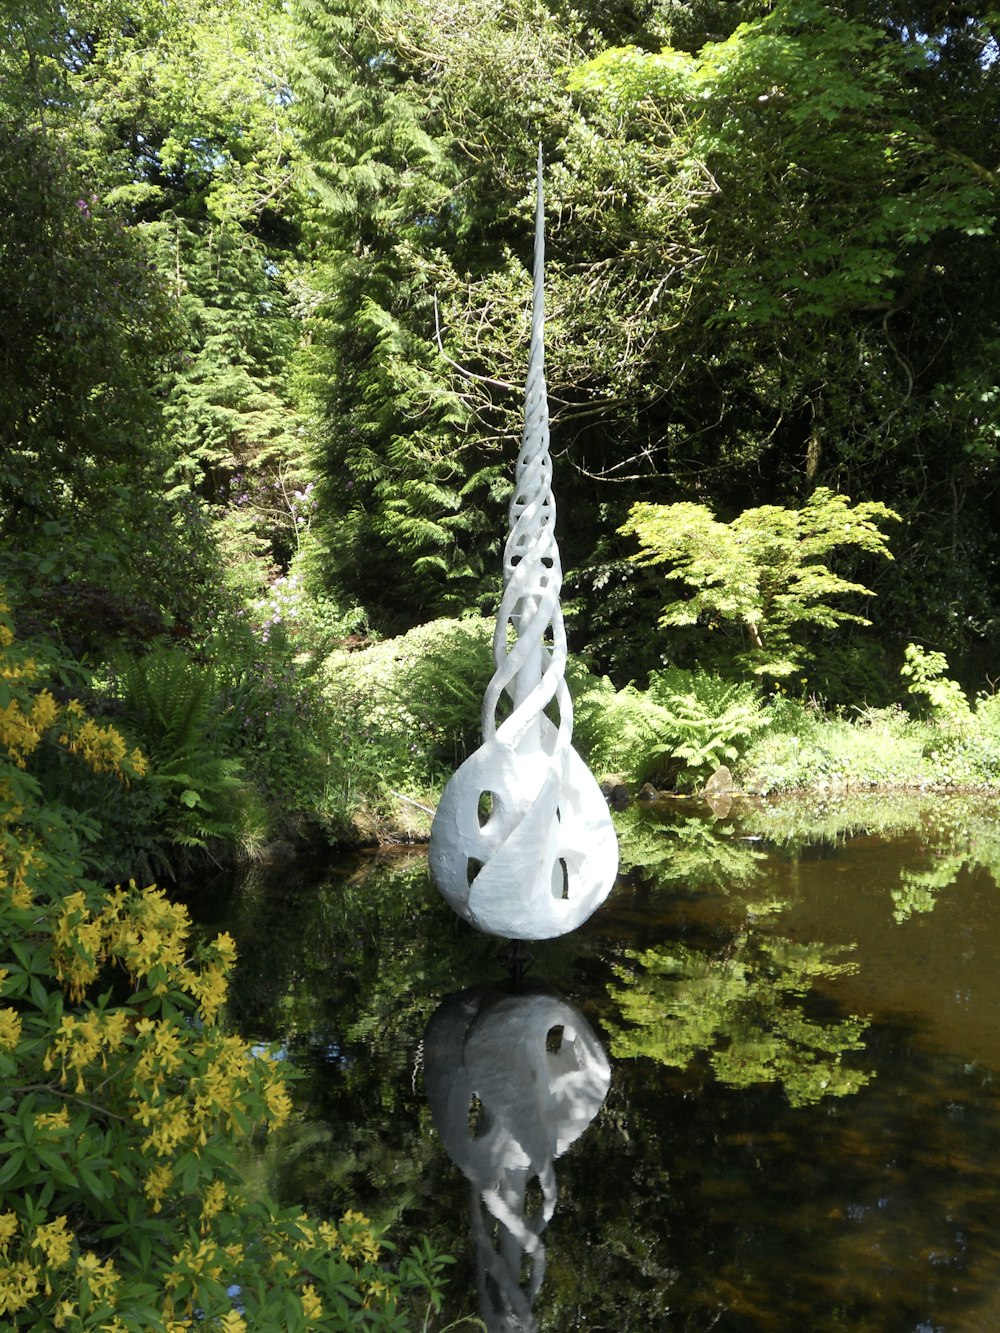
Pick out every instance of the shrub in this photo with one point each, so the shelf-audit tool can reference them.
(804, 747)
(405, 712)
(943, 699)
(123, 1099)
(765, 573)
(170, 703)
(681, 729)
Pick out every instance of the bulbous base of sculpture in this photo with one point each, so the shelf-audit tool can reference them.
(522, 844)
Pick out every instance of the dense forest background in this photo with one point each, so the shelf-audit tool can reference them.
(267, 298)
(265, 332)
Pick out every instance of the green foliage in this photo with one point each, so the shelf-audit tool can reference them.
(878, 747)
(680, 729)
(806, 748)
(405, 712)
(124, 1101)
(943, 698)
(765, 572)
(743, 1007)
(169, 702)
(271, 713)
(688, 854)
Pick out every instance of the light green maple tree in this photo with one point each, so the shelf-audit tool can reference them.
(766, 572)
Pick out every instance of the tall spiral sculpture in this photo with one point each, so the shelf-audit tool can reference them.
(522, 844)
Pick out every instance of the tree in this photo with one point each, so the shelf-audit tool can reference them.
(767, 242)
(836, 328)
(150, 322)
(765, 573)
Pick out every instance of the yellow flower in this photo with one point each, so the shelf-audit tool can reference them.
(329, 1235)
(278, 1102)
(44, 711)
(18, 1286)
(8, 1229)
(312, 1306)
(101, 1278)
(53, 1119)
(64, 1310)
(209, 988)
(157, 1183)
(226, 947)
(232, 1323)
(10, 1029)
(54, 1241)
(213, 1201)
(377, 1291)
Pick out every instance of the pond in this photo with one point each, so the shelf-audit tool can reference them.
(758, 1090)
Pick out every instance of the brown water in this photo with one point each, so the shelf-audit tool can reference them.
(801, 1127)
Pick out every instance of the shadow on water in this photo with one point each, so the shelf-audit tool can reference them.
(802, 1128)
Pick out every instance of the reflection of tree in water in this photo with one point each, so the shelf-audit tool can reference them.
(697, 853)
(970, 845)
(741, 1008)
(870, 1213)
(950, 834)
(746, 1005)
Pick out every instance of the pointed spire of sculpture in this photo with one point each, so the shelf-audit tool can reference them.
(522, 844)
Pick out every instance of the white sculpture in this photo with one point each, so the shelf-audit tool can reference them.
(522, 844)
(512, 1081)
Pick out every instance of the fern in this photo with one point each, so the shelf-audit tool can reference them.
(679, 730)
(623, 732)
(167, 699)
(712, 719)
(169, 704)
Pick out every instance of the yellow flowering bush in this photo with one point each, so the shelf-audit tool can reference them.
(123, 1098)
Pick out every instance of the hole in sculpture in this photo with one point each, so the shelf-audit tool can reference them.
(472, 870)
(547, 561)
(554, 1039)
(487, 804)
(527, 1269)
(560, 879)
(534, 1199)
(480, 1120)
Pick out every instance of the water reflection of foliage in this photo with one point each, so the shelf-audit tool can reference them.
(693, 852)
(937, 821)
(343, 970)
(957, 833)
(973, 844)
(745, 1005)
(742, 1008)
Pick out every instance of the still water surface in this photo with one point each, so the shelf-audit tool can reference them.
(759, 1090)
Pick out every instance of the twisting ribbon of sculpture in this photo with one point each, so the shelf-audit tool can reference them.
(522, 844)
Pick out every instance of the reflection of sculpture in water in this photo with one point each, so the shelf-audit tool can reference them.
(512, 1081)
(522, 844)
